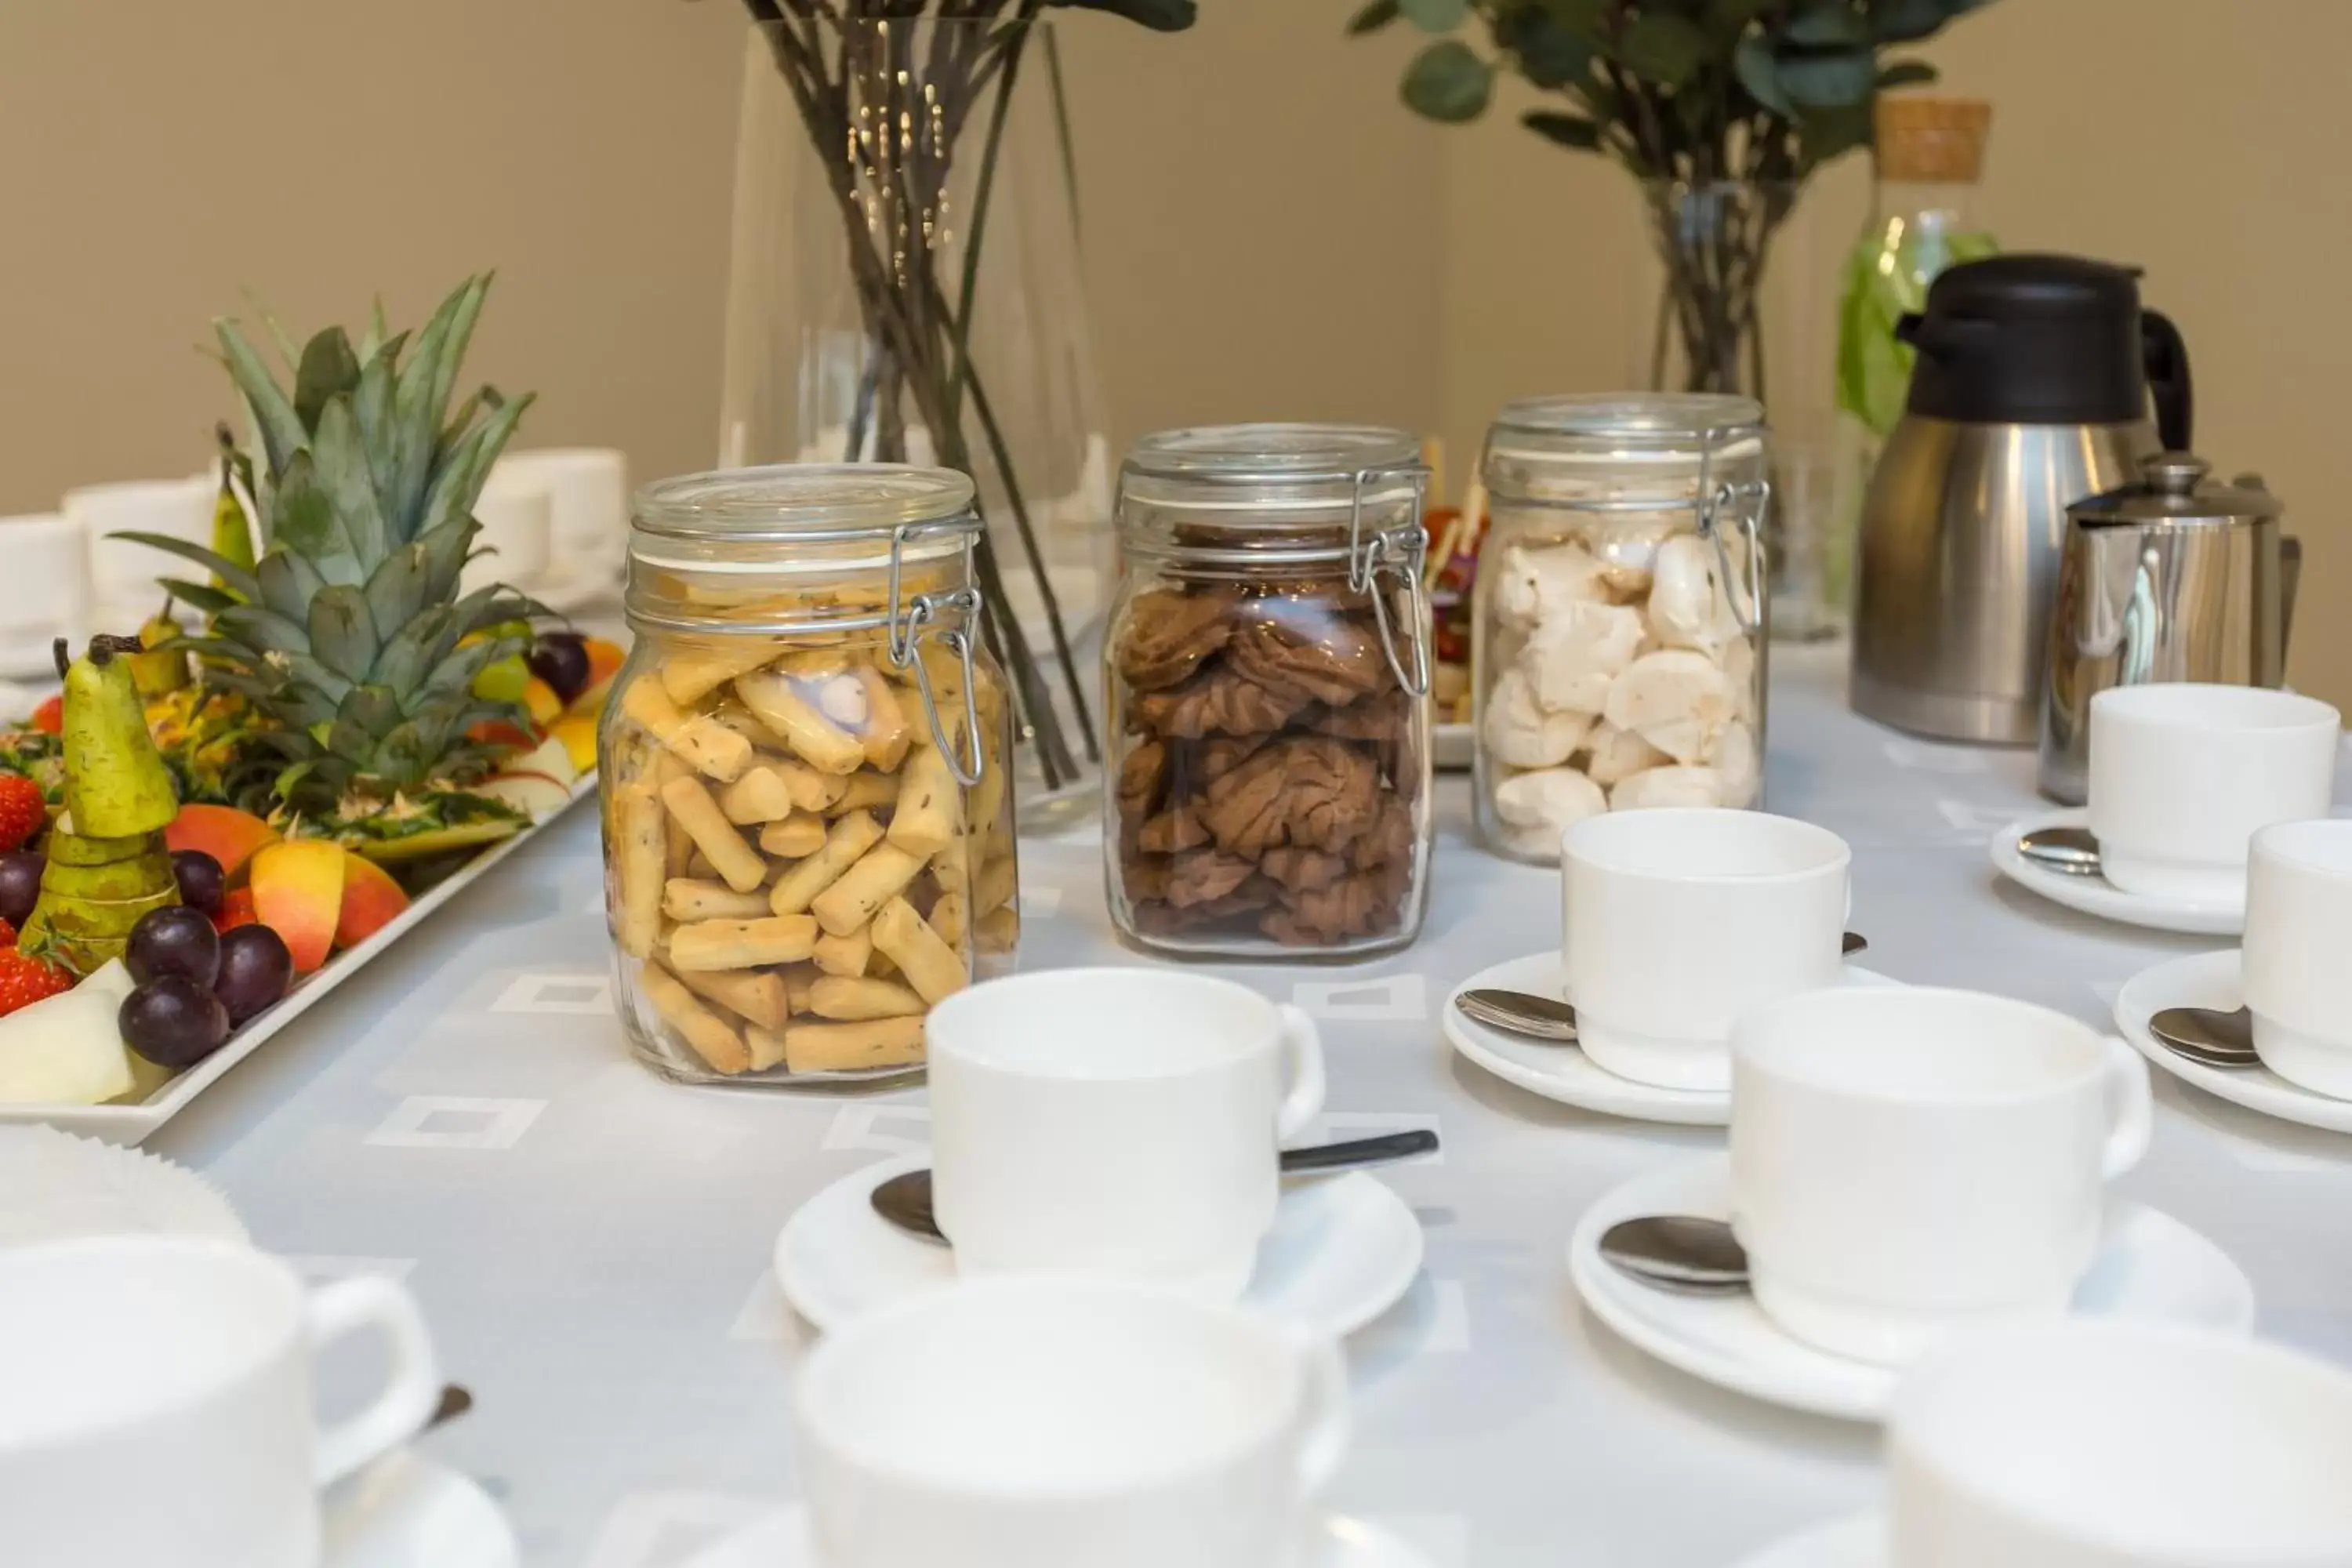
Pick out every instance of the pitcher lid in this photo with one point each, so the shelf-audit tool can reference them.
(2172, 487)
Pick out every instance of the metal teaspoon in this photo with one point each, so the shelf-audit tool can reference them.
(1681, 1253)
(2208, 1037)
(905, 1200)
(1547, 1018)
(2071, 851)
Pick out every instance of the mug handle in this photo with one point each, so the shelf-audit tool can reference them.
(400, 1412)
(1303, 1049)
(2131, 1110)
(1326, 1424)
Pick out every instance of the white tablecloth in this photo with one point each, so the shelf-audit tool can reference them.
(591, 1245)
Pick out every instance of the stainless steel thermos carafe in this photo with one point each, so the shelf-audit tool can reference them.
(2031, 391)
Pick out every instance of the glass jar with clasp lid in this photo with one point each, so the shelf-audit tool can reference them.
(1267, 673)
(1618, 626)
(808, 835)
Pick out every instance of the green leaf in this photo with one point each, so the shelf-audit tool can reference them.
(1832, 78)
(203, 596)
(1551, 53)
(371, 406)
(421, 394)
(397, 593)
(444, 550)
(1834, 25)
(1906, 73)
(1833, 132)
(343, 469)
(459, 483)
(306, 524)
(264, 630)
(1908, 21)
(1663, 49)
(227, 571)
(1584, 16)
(286, 582)
(282, 431)
(1729, 18)
(1436, 16)
(1568, 130)
(329, 367)
(1448, 82)
(1753, 63)
(1372, 17)
(1159, 16)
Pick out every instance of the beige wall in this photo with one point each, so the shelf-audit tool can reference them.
(1268, 234)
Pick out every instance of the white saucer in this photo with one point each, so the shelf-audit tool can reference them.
(1343, 1251)
(407, 1511)
(2097, 896)
(1858, 1542)
(2150, 1268)
(781, 1540)
(1566, 1074)
(2210, 980)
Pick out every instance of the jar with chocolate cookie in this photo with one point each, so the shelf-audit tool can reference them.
(1268, 681)
(808, 835)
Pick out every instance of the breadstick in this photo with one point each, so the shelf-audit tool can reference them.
(708, 746)
(929, 965)
(638, 827)
(794, 837)
(999, 931)
(677, 849)
(848, 998)
(742, 944)
(988, 794)
(929, 809)
(798, 979)
(765, 1047)
(992, 888)
(834, 1048)
(863, 789)
(689, 674)
(888, 734)
(755, 995)
(811, 735)
(850, 837)
(688, 800)
(951, 867)
(685, 899)
(879, 876)
(947, 917)
(814, 663)
(758, 795)
(844, 954)
(710, 1036)
(698, 868)
(813, 791)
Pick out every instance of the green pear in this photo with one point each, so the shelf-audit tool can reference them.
(116, 783)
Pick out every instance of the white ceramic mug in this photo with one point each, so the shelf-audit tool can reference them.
(2182, 774)
(516, 513)
(1907, 1163)
(1120, 1122)
(2118, 1445)
(2297, 964)
(1678, 921)
(45, 592)
(121, 574)
(588, 499)
(156, 1403)
(1056, 1423)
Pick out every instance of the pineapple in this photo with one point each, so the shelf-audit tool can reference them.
(350, 655)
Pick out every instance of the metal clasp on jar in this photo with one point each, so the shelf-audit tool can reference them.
(1396, 550)
(905, 621)
(1715, 499)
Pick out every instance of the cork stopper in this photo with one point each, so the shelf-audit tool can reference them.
(1932, 139)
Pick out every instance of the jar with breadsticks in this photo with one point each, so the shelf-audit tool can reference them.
(808, 832)
(1268, 678)
(1619, 615)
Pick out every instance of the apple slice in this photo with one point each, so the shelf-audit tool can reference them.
(551, 757)
(534, 795)
(297, 893)
(229, 836)
(371, 899)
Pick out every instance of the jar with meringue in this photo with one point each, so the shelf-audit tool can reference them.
(1619, 623)
(1267, 680)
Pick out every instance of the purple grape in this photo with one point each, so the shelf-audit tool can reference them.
(560, 659)
(254, 970)
(201, 882)
(173, 1022)
(178, 942)
(20, 884)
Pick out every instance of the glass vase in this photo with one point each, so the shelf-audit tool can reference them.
(904, 286)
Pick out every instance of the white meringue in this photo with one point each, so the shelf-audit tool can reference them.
(1576, 653)
(1534, 585)
(1668, 787)
(1677, 699)
(1550, 799)
(1519, 732)
(1613, 753)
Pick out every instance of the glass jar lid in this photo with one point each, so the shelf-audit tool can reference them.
(1644, 427)
(802, 518)
(1273, 476)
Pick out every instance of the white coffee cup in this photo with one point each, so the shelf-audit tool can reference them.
(1907, 1163)
(2119, 1445)
(121, 574)
(1118, 1122)
(1679, 920)
(2297, 965)
(45, 592)
(1058, 1423)
(588, 498)
(156, 1403)
(2182, 774)
(516, 514)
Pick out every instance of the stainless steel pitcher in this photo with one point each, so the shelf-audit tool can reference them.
(2167, 579)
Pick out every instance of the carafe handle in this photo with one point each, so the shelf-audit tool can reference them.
(2290, 579)
(2166, 356)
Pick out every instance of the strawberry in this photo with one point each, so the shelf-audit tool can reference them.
(7, 934)
(236, 909)
(49, 717)
(23, 980)
(23, 812)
